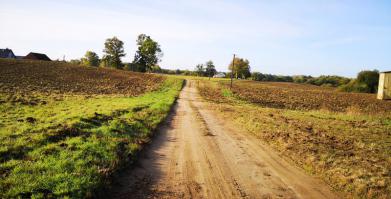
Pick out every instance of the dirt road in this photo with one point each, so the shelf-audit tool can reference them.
(197, 155)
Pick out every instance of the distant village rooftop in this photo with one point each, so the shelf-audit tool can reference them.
(37, 56)
(6, 53)
(9, 54)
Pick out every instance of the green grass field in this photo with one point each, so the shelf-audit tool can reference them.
(68, 146)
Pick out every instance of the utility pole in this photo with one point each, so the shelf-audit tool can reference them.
(232, 70)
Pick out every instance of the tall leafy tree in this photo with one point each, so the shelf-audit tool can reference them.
(148, 53)
(200, 70)
(241, 68)
(90, 59)
(114, 50)
(210, 69)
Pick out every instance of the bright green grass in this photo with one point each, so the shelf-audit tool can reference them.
(75, 143)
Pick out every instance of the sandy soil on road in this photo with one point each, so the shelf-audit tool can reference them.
(198, 155)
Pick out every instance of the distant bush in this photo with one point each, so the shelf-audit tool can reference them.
(324, 80)
(327, 80)
(135, 67)
(354, 86)
(270, 78)
(366, 82)
(157, 69)
(189, 73)
(301, 78)
(75, 61)
(370, 79)
(90, 59)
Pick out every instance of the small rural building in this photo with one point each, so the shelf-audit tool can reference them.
(384, 90)
(37, 56)
(7, 53)
(219, 75)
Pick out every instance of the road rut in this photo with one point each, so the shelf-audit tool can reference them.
(198, 155)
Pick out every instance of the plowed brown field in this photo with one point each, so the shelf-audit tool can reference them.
(344, 138)
(22, 76)
(308, 97)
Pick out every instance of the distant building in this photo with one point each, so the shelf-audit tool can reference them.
(37, 56)
(384, 90)
(219, 75)
(7, 53)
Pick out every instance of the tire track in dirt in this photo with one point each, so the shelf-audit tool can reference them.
(198, 155)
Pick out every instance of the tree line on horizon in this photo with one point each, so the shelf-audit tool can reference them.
(366, 81)
(149, 54)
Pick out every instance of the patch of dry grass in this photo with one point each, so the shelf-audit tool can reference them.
(349, 150)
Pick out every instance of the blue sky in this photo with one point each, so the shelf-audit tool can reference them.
(279, 37)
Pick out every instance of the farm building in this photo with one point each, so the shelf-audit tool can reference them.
(219, 75)
(384, 90)
(37, 56)
(6, 53)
